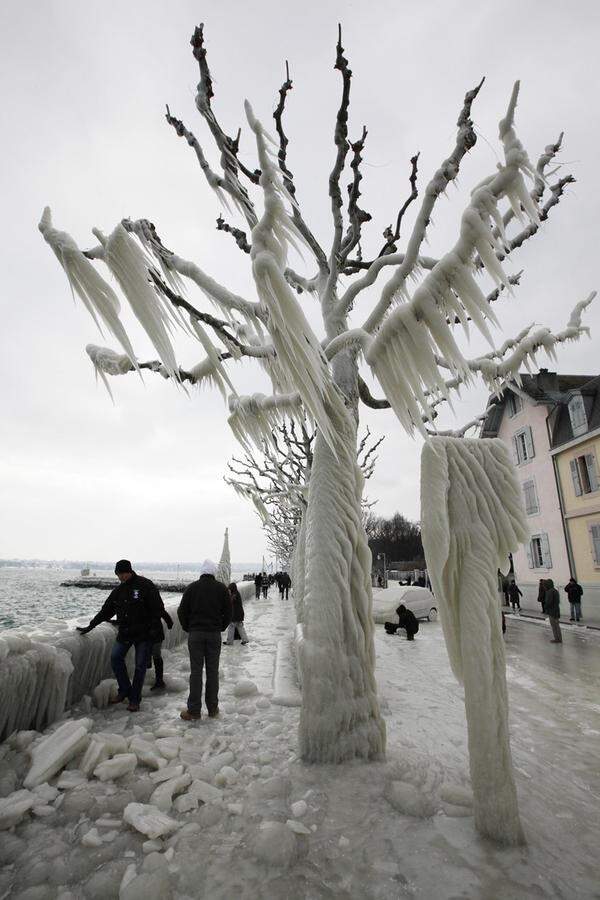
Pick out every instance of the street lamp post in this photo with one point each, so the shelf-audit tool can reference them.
(385, 581)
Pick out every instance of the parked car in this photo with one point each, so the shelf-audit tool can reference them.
(419, 600)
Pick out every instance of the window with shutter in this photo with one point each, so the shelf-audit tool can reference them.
(529, 549)
(546, 555)
(530, 498)
(590, 464)
(514, 404)
(594, 530)
(537, 551)
(529, 443)
(523, 446)
(576, 479)
(577, 415)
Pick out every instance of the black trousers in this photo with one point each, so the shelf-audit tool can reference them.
(205, 651)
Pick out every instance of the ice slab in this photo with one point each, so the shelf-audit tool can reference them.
(54, 752)
(162, 797)
(149, 820)
(119, 765)
(286, 690)
(15, 806)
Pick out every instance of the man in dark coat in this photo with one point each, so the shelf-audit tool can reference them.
(138, 607)
(286, 583)
(257, 585)
(574, 593)
(204, 612)
(514, 592)
(552, 605)
(408, 621)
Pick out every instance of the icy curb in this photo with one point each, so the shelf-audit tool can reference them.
(45, 671)
(538, 620)
(286, 691)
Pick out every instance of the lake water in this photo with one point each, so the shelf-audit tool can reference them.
(29, 596)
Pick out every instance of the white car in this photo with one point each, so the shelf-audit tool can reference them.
(419, 600)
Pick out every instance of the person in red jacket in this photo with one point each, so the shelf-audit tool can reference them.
(204, 612)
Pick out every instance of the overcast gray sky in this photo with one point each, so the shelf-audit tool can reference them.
(83, 92)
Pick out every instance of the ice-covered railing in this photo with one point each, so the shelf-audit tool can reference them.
(44, 670)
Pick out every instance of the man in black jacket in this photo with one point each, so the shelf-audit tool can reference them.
(574, 593)
(138, 607)
(204, 612)
(408, 621)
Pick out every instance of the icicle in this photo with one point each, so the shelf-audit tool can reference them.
(220, 374)
(96, 295)
(129, 265)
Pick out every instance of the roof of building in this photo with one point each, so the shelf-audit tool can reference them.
(554, 391)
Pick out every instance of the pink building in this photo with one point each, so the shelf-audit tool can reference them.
(520, 418)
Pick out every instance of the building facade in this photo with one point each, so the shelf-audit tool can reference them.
(528, 419)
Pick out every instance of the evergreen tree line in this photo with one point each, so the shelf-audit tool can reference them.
(397, 537)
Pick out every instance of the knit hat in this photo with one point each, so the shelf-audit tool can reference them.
(122, 566)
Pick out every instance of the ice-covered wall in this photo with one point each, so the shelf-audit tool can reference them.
(45, 670)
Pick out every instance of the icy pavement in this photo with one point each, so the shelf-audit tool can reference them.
(236, 815)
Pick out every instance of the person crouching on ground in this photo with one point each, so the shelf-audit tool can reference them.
(408, 621)
(138, 607)
(237, 617)
(156, 655)
(204, 612)
(552, 604)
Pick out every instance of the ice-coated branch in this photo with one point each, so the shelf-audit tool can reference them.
(356, 215)
(341, 142)
(368, 399)
(373, 269)
(465, 140)
(393, 235)
(459, 432)
(237, 234)
(255, 418)
(227, 146)
(288, 178)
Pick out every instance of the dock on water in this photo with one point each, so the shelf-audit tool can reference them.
(108, 584)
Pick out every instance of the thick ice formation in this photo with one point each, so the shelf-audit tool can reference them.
(472, 517)
(149, 820)
(51, 754)
(224, 567)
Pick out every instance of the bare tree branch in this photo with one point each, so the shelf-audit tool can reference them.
(356, 215)
(237, 234)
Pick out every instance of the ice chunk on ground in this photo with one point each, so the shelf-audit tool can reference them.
(456, 795)
(43, 811)
(14, 807)
(168, 747)
(205, 792)
(46, 792)
(166, 773)
(286, 690)
(96, 752)
(275, 844)
(226, 775)
(22, 739)
(410, 801)
(148, 886)
(165, 730)
(103, 692)
(119, 765)
(162, 797)
(146, 753)
(215, 764)
(71, 779)
(91, 838)
(152, 846)
(115, 743)
(54, 752)
(298, 808)
(149, 820)
(297, 827)
(245, 688)
(186, 803)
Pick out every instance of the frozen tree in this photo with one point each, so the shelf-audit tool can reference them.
(224, 567)
(407, 337)
(276, 481)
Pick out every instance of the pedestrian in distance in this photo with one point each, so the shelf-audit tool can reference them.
(156, 657)
(514, 592)
(138, 606)
(237, 617)
(257, 585)
(574, 593)
(204, 612)
(286, 583)
(265, 583)
(552, 604)
(542, 588)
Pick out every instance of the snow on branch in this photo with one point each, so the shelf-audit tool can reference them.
(96, 295)
(298, 352)
(254, 418)
(465, 140)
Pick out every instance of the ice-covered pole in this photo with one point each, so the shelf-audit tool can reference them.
(471, 518)
(224, 567)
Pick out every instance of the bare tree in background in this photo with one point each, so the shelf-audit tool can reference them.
(406, 337)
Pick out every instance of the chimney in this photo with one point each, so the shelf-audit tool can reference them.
(547, 381)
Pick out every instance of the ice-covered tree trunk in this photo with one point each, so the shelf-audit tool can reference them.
(471, 518)
(340, 716)
(299, 570)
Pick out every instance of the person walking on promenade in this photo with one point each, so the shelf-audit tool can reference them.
(574, 593)
(257, 585)
(138, 607)
(286, 582)
(514, 592)
(542, 594)
(237, 617)
(156, 659)
(265, 584)
(552, 604)
(204, 612)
